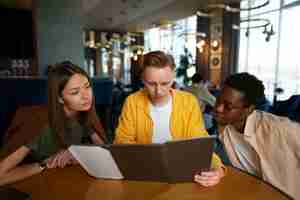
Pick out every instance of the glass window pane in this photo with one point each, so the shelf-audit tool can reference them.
(289, 65)
(257, 56)
(243, 55)
(174, 38)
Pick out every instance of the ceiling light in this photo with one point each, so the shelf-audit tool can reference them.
(252, 6)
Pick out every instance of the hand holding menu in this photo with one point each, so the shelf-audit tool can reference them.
(174, 161)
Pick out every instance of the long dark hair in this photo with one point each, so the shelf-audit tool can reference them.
(58, 77)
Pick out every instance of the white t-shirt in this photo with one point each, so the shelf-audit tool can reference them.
(161, 122)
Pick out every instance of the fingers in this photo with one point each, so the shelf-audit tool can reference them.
(65, 159)
(60, 159)
(50, 162)
(206, 182)
(209, 178)
(209, 173)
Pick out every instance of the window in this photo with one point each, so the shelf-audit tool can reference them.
(257, 55)
(274, 61)
(289, 65)
(173, 39)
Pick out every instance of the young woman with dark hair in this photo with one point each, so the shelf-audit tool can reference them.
(72, 120)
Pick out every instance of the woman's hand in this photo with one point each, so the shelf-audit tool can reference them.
(61, 159)
(210, 178)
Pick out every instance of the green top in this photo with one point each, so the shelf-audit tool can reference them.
(46, 144)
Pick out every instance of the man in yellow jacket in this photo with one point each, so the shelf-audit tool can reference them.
(159, 113)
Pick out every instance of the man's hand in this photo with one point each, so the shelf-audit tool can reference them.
(210, 178)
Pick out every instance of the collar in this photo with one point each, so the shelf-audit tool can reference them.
(144, 104)
(250, 127)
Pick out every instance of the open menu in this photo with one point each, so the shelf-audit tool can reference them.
(174, 161)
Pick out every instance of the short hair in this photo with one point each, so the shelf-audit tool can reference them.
(251, 87)
(158, 59)
(197, 78)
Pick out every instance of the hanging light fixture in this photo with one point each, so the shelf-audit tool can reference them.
(252, 5)
(265, 30)
(251, 23)
(269, 33)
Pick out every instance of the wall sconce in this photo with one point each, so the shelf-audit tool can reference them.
(252, 23)
(215, 44)
(200, 45)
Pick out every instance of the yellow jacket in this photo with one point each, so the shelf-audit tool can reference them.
(136, 125)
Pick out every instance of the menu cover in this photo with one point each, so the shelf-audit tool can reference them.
(173, 161)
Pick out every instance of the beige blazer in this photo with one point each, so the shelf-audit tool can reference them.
(274, 152)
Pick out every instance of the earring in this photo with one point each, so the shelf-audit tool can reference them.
(60, 100)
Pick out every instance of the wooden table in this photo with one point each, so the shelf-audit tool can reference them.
(74, 183)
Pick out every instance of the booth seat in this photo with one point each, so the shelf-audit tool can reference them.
(289, 108)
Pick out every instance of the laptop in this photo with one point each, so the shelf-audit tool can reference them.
(173, 161)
